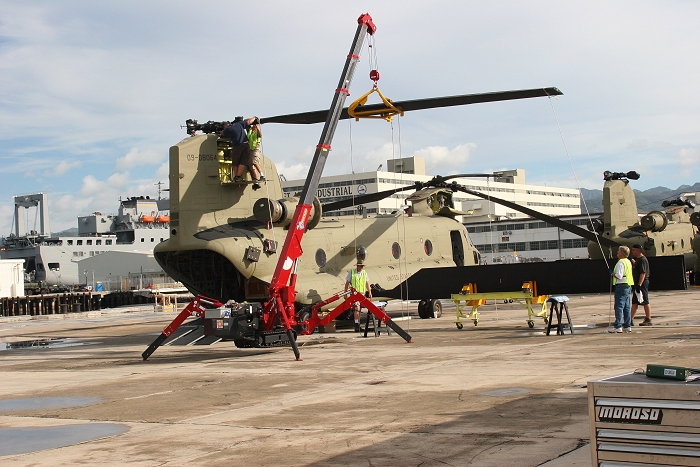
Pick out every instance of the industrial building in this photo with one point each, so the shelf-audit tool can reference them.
(518, 240)
(11, 278)
(509, 185)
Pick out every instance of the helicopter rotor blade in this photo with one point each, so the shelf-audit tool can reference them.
(587, 234)
(372, 197)
(319, 116)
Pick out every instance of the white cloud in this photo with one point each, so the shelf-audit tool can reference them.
(91, 186)
(135, 158)
(442, 160)
(643, 144)
(688, 159)
(689, 156)
(163, 173)
(378, 156)
(118, 179)
(61, 168)
(7, 213)
(292, 172)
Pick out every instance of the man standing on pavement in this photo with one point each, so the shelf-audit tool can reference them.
(359, 280)
(237, 132)
(622, 281)
(641, 284)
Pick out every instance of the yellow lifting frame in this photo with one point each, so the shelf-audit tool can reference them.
(387, 113)
(526, 297)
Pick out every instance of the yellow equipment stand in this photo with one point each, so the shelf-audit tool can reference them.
(526, 297)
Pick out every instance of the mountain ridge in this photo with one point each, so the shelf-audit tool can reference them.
(647, 200)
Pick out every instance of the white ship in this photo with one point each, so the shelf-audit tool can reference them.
(140, 225)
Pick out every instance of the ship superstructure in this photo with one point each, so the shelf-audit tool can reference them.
(140, 225)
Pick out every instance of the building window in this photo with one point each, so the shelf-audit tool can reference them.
(79, 242)
(108, 242)
(143, 240)
(98, 242)
(153, 240)
(88, 242)
(54, 267)
(70, 242)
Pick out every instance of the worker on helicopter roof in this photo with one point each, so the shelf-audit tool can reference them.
(237, 132)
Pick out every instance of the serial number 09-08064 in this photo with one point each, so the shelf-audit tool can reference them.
(201, 157)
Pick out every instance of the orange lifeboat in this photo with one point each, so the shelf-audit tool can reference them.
(145, 218)
(163, 219)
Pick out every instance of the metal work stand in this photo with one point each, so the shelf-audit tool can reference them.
(376, 326)
(558, 305)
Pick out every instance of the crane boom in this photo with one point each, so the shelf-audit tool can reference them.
(282, 286)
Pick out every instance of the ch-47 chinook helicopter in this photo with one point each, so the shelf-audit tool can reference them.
(671, 232)
(668, 233)
(225, 236)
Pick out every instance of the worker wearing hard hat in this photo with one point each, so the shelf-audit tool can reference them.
(359, 280)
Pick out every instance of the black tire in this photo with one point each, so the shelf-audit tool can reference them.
(423, 309)
(435, 308)
(304, 315)
(460, 325)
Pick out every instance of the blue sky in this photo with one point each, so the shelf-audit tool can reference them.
(92, 94)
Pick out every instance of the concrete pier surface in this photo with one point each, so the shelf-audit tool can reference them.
(495, 394)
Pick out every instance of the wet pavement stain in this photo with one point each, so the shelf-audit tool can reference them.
(507, 392)
(24, 440)
(39, 403)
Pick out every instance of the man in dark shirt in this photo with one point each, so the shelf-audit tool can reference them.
(237, 132)
(640, 272)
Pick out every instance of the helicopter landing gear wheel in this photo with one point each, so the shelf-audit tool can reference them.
(531, 324)
(476, 322)
(435, 308)
(459, 325)
(423, 309)
(429, 309)
(546, 321)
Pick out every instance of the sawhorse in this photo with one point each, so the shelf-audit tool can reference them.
(558, 305)
(376, 326)
(526, 297)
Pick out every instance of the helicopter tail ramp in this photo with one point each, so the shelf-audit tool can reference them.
(553, 278)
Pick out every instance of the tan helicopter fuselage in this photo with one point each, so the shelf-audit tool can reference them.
(659, 233)
(213, 232)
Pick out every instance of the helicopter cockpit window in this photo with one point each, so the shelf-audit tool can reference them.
(428, 247)
(396, 250)
(320, 258)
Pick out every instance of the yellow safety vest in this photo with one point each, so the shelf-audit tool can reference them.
(359, 281)
(628, 272)
(253, 139)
